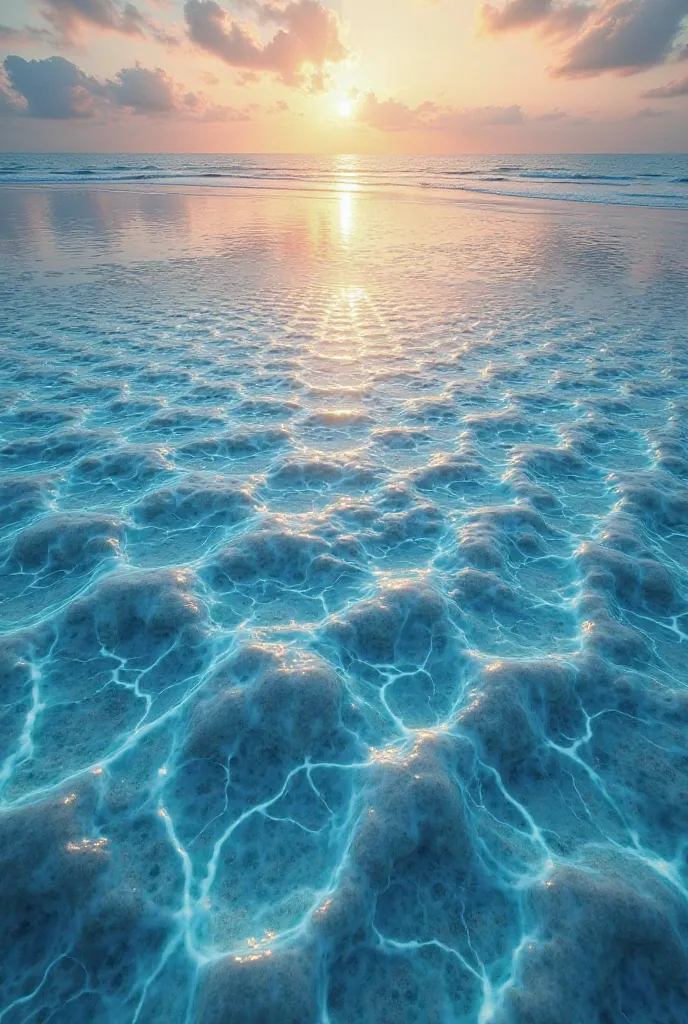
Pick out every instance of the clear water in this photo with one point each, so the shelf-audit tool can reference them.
(638, 180)
(343, 609)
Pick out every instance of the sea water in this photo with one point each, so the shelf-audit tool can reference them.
(632, 180)
(343, 611)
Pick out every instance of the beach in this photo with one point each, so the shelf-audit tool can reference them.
(343, 620)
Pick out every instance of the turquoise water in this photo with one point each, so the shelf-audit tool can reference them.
(343, 611)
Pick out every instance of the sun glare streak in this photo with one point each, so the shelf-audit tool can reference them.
(346, 214)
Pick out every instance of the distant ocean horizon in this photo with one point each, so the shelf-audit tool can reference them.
(650, 180)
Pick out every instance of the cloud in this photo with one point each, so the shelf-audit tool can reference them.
(391, 115)
(152, 91)
(552, 115)
(648, 112)
(56, 89)
(69, 17)
(622, 36)
(678, 87)
(52, 89)
(625, 36)
(475, 118)
(551, 17)
(307, 40)
(8, 103)
(28, 34)
(145, 91)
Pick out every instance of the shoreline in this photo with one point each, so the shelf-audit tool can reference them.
(408, 194)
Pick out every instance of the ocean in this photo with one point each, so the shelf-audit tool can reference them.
(344, 595)
(637, 180)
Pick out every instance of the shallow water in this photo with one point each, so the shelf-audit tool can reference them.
(343, 653)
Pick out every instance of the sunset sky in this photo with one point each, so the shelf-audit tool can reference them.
(411, 76)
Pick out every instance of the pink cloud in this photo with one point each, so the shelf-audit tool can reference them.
(625, 36)
(678, 87)
(622, 36)
(391, 115)
(69, 19)
(308, 39)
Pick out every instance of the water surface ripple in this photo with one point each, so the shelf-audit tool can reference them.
(343, 612)
(640, 179)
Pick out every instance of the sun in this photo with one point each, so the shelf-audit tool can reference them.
(345, 108)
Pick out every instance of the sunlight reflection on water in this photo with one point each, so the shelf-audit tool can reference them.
(343, 608)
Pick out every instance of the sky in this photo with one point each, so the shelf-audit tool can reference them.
(344, 76)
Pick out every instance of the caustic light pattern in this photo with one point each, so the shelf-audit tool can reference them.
(344, 627)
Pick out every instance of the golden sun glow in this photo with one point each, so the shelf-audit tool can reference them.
(345, 108)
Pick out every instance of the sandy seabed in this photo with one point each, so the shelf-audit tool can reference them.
(343, 661)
